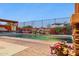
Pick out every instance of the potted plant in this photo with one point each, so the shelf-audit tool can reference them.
(63, 49)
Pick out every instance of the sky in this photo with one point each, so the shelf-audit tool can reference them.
(30, 11)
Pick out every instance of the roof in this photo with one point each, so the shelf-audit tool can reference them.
(5, 20)
(58, 24)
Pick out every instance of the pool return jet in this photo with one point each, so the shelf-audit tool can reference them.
(74, 22)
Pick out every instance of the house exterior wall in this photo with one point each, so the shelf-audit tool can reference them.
(11, 26)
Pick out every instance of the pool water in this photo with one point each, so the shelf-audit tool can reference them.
(38, 37)
(44, 37)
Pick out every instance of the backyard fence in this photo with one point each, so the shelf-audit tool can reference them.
(45, 23)
(52, 26)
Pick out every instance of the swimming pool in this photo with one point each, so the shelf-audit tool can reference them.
(45, 37)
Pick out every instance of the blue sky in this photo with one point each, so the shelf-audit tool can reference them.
(30, 11)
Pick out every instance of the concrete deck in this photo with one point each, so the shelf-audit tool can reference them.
(7, 49)
(34, 49)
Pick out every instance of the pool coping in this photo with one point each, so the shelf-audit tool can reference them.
(26, 39)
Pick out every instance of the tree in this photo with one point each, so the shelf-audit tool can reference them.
(58, 29)
(68, 28)
(27, 26)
